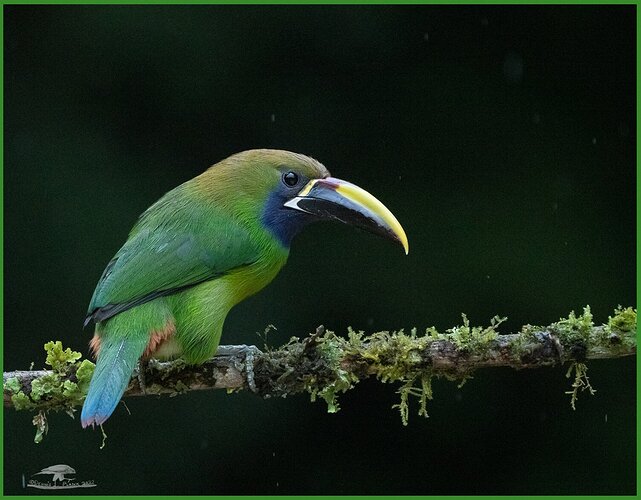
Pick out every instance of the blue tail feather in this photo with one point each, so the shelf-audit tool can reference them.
(116, 362)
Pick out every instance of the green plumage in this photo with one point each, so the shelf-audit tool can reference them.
(178, 242)
(192, 256)
(202, 248)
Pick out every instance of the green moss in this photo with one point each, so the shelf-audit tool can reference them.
(355, 338)
(66, 386)
(403, 406)
(423, 393)
(426, 393)
(326, 365)
(328, 393)
(575, 329)
(56, 390)
(474, 338)
(519, 346)
(48, 386)
(398, 357)
(63, 388)
(21, 401)
(624, 319)
(394, 356)
(56, 393)
(581, 382)
(12, 385)
(330, 348)
(343, 382)
(333, 379)
(84, 374)
(433, 334)
(58, 358)
(69, 389)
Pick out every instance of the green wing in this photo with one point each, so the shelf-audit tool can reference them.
(168, 252)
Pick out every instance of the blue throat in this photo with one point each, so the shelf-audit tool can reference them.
(284, 223)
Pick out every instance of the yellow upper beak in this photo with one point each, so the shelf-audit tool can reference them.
(336, 199)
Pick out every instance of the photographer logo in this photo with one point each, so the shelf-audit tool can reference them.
(58, 477)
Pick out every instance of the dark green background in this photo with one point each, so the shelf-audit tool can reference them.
(503, 138)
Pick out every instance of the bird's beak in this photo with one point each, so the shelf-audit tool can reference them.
(332, 198)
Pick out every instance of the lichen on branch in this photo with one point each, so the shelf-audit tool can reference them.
(64, 387)
(324, 364)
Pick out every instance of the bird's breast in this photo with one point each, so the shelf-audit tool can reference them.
(248, 280)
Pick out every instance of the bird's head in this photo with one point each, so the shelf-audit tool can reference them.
(293, 190)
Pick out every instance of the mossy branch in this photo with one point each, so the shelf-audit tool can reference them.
(324, 364)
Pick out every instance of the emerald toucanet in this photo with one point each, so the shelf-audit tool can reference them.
(201, 249)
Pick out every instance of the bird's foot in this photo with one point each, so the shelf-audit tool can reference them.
(250, 352)
(242, 356)
(141, 367)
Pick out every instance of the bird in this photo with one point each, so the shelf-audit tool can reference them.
(202, 248)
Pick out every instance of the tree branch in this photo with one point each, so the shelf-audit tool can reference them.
(324, 364)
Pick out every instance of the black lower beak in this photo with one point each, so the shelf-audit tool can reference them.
(335, 199)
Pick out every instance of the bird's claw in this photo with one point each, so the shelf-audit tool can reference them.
(242, 356)
(141, 367)
(250, 351)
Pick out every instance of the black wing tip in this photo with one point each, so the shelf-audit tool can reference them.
(105, 312)
(87, 320)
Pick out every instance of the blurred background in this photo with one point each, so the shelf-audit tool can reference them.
(503, 139)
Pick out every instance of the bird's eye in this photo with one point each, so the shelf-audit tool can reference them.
(290, 178)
